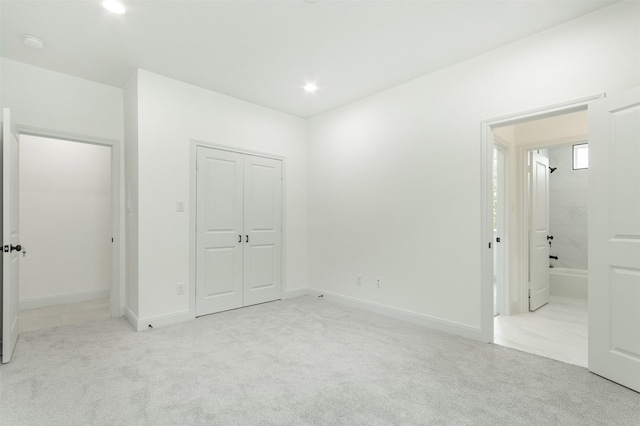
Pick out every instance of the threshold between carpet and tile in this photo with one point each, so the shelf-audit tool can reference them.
(304, 361)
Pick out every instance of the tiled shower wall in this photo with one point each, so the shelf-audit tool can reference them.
(568, 205)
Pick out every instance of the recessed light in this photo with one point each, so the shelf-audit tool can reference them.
(32, 41)
(114, 6)
(310, 87)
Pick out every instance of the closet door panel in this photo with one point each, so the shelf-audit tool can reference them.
(219, 217)
(263, 227)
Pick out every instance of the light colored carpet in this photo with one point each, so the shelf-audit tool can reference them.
(304, 361)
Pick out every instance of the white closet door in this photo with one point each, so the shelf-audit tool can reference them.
(219, 233)
(263, 230)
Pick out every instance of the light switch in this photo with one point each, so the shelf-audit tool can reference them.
(179, 206)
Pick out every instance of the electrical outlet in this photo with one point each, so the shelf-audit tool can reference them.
(180, 288)
(378, 282)
(359, 279)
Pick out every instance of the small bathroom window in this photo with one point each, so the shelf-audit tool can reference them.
(580, 156)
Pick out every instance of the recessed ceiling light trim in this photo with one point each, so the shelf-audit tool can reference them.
(114, 6)
(33, 41)
(310, 87)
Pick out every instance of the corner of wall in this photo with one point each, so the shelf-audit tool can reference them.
(130, 97)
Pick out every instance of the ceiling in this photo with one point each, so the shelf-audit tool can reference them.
(265, 51)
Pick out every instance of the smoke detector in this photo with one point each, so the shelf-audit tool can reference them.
(33, 41)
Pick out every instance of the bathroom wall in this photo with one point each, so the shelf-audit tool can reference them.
(568, 195)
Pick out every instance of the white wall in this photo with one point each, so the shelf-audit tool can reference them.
(568, 210)
(394, 179)
(1, 77)
(65, 221)
(552, 131)
(131, 194)
(55, 101)
(62, 104)
(1, 73)
(170, 115)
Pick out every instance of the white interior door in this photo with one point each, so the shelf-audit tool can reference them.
(10, 237)
(614, 238)
(220, 233)
(539, 230)
(263, 229)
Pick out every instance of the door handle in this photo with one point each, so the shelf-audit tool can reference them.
(247, 239)
(10, 248)
(239, 238)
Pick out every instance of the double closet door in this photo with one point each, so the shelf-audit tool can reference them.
(239, 230)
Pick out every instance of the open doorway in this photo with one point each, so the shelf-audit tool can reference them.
(66, 228)
(549, 308)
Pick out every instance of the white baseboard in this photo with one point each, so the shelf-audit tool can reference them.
(446, 326)
(296, 292)
(131, 317)
(568, 301)
(451, 327)
(158, 321)
(40, 302)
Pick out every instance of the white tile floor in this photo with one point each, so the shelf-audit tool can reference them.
(558, 330)
(58, 315)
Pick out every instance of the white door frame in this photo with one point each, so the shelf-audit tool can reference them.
(193, 210)
(520, 249)
(502, 217)
(116, 292)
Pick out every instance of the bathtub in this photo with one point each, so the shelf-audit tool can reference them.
(570, 283)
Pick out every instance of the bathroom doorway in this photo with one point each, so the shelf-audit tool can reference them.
(549, 283)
